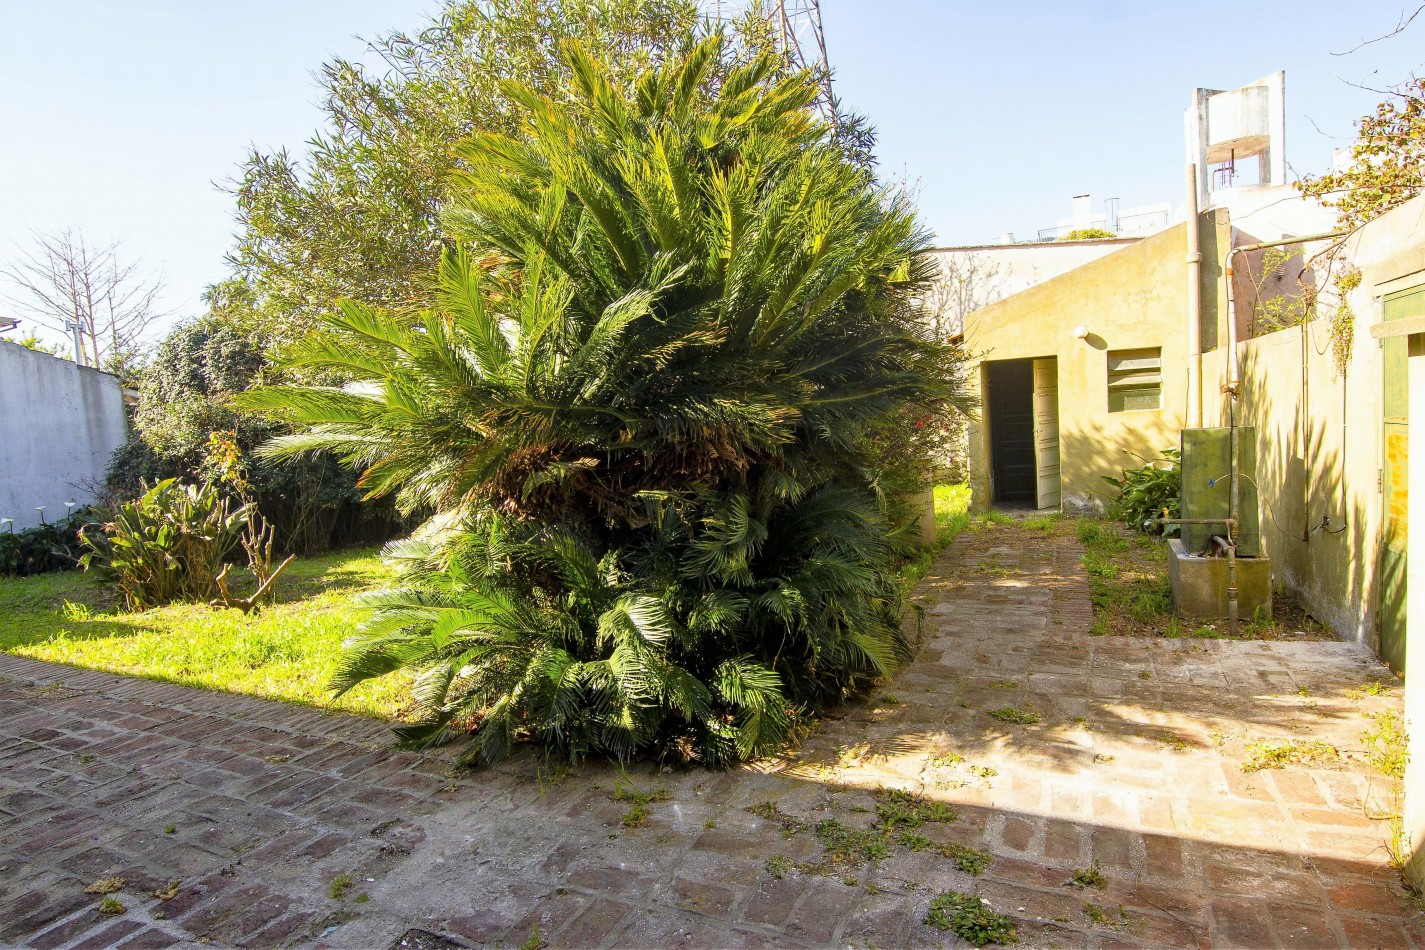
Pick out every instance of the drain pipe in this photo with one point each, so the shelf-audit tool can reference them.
(1230, 547)
(1194, 303)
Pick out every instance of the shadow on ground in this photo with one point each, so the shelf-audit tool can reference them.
(282, 827)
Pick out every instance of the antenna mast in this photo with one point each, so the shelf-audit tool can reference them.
(804, 44)
(800, 37)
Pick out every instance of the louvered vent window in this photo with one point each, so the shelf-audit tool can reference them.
(1135, 379)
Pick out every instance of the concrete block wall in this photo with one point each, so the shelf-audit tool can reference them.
(59, 425)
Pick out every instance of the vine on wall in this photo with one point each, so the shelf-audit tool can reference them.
(1341, 330)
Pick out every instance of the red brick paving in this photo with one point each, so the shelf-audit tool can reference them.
(1134, 764)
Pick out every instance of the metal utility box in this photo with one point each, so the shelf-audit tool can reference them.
(1207, 487)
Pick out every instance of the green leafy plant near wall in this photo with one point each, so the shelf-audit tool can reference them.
(47, 547)
(1149, 492)
(168, 544)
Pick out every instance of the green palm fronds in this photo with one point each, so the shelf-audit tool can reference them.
(673, 319)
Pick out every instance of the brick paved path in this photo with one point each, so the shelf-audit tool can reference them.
(244, 812)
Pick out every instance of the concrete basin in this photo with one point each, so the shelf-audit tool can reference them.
(1200, 584)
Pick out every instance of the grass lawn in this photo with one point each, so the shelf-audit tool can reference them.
(952, 511)
(285, 651)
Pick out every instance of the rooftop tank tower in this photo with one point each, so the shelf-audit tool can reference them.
(1226, 129)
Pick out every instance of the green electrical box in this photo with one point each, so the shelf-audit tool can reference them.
(1207, 488)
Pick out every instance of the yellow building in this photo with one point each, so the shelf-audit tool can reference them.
(1079, 371)
(1088, 373)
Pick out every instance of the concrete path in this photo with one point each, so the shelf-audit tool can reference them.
(234, 821)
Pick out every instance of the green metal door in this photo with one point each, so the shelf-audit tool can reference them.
(1395, 477)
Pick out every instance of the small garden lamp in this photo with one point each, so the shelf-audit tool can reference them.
(69, 509)
(9, 523)
(41, 510)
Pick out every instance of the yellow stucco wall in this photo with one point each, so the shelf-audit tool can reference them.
(1320, 444)
(1320, 447)
(1311, 467)
(1133, 298)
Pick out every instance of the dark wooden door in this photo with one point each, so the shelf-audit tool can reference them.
(1011, 417)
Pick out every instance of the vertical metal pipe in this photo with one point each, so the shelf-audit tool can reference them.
(1232, 586)
(1231, 387)
(1234, 504)
(1230, 549)
(1194, 303)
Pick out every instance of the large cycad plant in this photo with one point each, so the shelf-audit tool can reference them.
(674, 326)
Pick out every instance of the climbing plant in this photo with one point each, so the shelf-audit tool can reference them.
(1387, 160)
(1342, 329)
(1387, 169)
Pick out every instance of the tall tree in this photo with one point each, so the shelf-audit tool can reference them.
(87, 291)
(651, 395)
(358, 217)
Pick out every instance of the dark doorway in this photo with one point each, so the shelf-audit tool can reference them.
(1011, 418)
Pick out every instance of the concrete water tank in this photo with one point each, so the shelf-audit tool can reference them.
(1239, 122)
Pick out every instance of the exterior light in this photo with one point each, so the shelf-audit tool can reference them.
(41, 510)
(1081, 331)
(69, 509)
(9, 523)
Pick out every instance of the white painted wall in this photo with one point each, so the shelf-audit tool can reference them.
(1413, 826)
(1273, 212)
(59, 424)
(1002, 270)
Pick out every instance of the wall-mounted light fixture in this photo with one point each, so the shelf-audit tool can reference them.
(1081, 331)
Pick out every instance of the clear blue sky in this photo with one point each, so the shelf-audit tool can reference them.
(122, 118)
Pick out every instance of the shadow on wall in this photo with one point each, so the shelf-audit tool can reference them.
(1318, 534)
(1090, 452)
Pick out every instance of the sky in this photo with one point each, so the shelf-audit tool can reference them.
(126, 119)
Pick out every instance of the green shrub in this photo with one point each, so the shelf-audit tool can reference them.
(1153, 491)
(649, 406)
(1087, 234)
(167, 545)
(48, 547)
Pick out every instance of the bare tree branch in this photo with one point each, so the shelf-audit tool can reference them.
(967, 281)
(1399, 28)
(1397, 92)
(67, 283)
